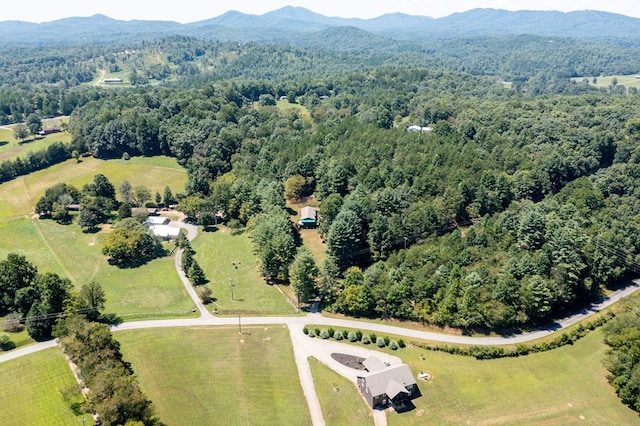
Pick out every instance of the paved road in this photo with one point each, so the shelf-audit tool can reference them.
(336, 322)
(192, 233)
(304, 347)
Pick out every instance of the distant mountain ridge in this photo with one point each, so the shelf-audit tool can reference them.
(290, 24)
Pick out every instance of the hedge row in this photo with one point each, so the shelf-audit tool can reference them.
(492, 352)
(354, 336)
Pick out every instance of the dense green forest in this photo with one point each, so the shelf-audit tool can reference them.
(517, 206)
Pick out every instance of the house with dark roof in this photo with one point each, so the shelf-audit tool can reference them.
(382, 385)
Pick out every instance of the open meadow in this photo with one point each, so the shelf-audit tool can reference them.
(629, 80)
(559, 387)
(33, 391)
(340, 399)
(11, 148)
(205, 376)
(227, 259)
(153, 290)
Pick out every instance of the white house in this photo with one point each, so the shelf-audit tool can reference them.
(156, 220)
(165, 232)
(419, 129)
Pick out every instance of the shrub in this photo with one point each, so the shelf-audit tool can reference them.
(401, 343)
(332, 331)
(324, 334)
(345, 333)
(380, 343)
(366, 340)
(205, 294)
(317, 331)
(12, 323)
(311, 333)
(305, 330)
(358, 335)
(373, 337)
(126, 156)
(337, 335)
(386, 340)
(393, 345)
(6, 344)
(352, 337)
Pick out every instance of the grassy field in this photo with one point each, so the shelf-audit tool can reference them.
(560, 387)
(10, 148)
(340, 400)
(564, 386)
(32, 387)
(18, 196)
(151, 291)
(227, 258)
(205, 376)
(606, 81)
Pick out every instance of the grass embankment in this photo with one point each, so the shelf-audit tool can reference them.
(32, 391)
(204, 376)
(227, 259)
(150, 291)
(339, 398)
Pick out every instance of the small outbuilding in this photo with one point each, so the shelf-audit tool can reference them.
(308, 217)
(49, 130)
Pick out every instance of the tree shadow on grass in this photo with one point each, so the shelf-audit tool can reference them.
(111, 319)
(210, 228)
(3, 143)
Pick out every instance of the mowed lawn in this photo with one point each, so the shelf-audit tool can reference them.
(32, 391)
(339, 398)
(153, 290)
(10, 148)
(216, 376)
(560, 387)
(228, 259)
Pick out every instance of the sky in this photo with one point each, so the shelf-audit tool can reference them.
(197, 10)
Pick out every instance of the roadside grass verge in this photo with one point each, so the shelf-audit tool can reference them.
(563, 386)
(227, 258)
(339, 398)
(32, 391)
(204, 376)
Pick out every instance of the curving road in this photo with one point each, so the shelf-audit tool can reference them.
(304, 347)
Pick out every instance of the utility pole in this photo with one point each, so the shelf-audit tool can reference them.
(231, 285)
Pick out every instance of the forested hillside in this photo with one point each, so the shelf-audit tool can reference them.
(516, 207)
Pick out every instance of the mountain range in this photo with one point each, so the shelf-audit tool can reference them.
(295, 25)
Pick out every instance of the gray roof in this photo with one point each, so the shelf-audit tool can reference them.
(308, 213)
(390, 380)
(373, 364)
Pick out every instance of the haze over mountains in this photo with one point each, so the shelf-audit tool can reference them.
(298, 25)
